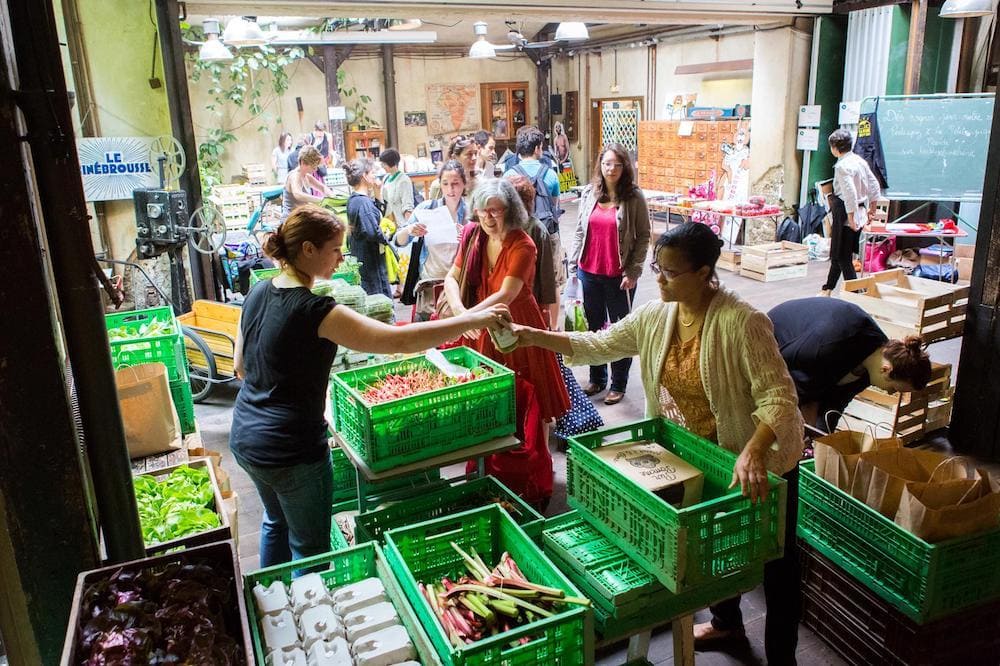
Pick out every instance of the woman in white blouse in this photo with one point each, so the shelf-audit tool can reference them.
(711, 361)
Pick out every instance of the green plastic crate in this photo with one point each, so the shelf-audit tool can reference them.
(723, 534)
(337, 539)
(923, 580)
(261, 274)
(349, 274)
(341, 568)
(422, 426)
(180, 393)
(422, 552)
(166, 349)
(345, 479)
(373, 525)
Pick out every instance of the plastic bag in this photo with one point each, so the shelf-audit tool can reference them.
(819, 247)
(576, 320)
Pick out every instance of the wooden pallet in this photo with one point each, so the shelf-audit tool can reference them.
(771, 262)
(905, 305)
(910, 416)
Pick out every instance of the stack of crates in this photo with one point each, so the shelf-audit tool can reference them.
(166, 348)
(879, 594)
(235, 203)
(626, 598)
(255, 174)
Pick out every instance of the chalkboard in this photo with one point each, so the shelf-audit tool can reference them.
(935, 146)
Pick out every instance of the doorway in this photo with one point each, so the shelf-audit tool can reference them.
(614, 119)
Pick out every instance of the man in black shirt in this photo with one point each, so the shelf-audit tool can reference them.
(834, 350)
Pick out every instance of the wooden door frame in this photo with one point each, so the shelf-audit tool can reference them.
(594, 123)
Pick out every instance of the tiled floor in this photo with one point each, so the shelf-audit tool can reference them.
(214, 418)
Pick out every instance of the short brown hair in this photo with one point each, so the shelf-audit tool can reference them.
(842, 140)
(309, 156)
(910, 363)
(308, 222)
(525, 190)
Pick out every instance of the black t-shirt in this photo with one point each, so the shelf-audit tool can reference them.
(821, 340)
(278, 418)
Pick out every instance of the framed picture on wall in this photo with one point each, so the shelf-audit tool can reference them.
(570, 114)
(421, 150)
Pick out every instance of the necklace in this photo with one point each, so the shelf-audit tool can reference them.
(686, 324)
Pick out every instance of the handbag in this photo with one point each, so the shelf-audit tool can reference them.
(582, 415)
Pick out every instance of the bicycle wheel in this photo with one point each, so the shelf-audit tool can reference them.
(198, 375)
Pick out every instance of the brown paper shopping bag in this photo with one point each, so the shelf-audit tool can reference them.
(148, 413)
(938, 511)
(837, 454)
(880, 476)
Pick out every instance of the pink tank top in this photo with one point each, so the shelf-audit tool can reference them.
(600, 251)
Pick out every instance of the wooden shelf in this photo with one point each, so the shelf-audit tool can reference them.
(364, 143)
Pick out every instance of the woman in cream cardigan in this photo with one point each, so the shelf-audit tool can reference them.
(711, 359)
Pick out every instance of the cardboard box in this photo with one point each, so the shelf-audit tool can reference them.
(656, 469)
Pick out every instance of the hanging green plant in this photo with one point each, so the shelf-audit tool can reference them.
(360, 101)
(238, 84)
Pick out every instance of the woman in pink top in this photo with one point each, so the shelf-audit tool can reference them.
(612, 237)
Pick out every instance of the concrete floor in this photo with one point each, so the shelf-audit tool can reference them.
(215, 415)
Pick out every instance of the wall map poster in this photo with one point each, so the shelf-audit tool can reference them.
(452, 107)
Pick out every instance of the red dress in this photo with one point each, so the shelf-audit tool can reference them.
(537, 366)
(540, 390)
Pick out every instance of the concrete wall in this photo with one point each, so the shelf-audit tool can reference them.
(365, 74)
(119, 40)
(775, 88)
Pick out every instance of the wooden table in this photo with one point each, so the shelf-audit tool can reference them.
(423, 180)
(367, 477)
(871, 235)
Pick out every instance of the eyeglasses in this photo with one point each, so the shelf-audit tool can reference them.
(494, 212)
(669, 274)
(612, 165)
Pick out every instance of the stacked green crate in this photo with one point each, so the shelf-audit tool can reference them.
(626, 597)
(154, 336)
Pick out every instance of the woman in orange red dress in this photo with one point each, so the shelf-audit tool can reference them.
(498, 257)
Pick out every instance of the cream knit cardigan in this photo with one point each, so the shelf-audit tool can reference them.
(742, 370)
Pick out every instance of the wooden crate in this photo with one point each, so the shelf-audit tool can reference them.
(220, 533)
(729, 260)
(256, 174)
(217, 324)
(771, 262)
(905, 305)
(909, 416)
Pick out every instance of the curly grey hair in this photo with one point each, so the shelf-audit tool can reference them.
(497, 188)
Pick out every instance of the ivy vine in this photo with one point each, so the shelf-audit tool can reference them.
(241, 84)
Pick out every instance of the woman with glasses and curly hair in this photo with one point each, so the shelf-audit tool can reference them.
(497, 258)
(612, 236)
(710, 361)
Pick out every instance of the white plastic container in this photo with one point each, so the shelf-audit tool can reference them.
(330, 653)
(280, 632)
(319, 623)
(272, 599)
(308, 591)
(355, 596)
(384, 648)
(369, 619)
(293, 657)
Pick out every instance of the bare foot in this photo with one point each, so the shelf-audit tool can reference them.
(705, 632)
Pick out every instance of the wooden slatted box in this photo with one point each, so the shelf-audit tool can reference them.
(771, 262)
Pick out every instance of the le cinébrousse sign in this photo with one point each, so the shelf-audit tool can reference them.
(113, 166)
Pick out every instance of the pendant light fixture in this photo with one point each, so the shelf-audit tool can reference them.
(966, 8)
(481, 48)
(242, 31)
(572, 31)
(212, 50)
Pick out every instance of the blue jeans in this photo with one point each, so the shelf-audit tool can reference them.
(298, 509)
(605, 301)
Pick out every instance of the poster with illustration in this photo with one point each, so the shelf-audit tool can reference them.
(736, 165)
(679, 105)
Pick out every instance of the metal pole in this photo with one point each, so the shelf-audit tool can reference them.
(45, 106)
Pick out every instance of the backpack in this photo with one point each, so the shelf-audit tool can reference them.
(546, 211)
(789, 230)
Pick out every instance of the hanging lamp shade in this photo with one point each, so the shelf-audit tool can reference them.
(212, 49)
(481, 48)
(570, 31)
(966, 8)
(242, 32)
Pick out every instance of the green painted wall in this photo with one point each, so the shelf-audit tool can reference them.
(898, 46)
(938, 37)
(832, 35)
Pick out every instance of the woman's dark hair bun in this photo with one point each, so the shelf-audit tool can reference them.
(914, 344)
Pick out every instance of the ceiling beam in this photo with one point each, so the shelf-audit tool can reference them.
(716, 67)
(621, 11)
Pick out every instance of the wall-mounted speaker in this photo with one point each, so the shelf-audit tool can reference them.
(555, 105)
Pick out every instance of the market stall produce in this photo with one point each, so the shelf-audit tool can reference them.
(180, 506)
